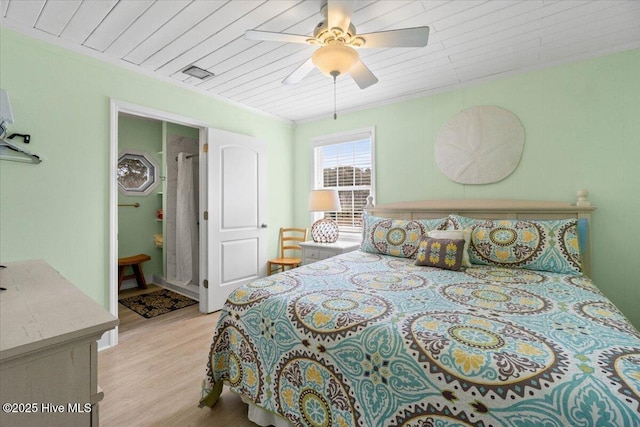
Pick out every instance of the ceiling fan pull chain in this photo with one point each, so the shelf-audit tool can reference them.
(335, 109)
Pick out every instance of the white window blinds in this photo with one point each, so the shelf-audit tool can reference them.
(345, 162)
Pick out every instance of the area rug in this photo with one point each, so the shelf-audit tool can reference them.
(156, 303)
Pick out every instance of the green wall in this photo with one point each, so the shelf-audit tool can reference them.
(582, 131)
(582, 125)
(136, 226)
(59, 210)
(179, 130)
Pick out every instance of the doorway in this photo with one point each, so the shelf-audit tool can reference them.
(119, 108)
(158, 201)
(232, 209)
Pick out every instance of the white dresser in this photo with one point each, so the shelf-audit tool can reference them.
(48, 348)
(312, 251)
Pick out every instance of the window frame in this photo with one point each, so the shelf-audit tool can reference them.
(317, 177)
(152, 170)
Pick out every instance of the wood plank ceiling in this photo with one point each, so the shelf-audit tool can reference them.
(470, 41)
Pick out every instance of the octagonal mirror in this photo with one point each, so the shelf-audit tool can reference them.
(137, 173)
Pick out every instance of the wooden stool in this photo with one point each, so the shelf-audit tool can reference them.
(135, 262)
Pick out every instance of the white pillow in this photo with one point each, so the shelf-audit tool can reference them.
(455, 234)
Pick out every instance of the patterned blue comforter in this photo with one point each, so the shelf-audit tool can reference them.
(372, 340)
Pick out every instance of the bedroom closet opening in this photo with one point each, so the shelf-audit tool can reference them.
(159, 217)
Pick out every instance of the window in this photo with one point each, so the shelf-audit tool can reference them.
(137, 173)
(345, 162)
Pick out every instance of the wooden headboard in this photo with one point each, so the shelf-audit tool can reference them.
(493, 209)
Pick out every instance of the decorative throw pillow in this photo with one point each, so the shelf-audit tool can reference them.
(433, 224)
(457, 222)
(394, 237)
(455, 234)
(441, 253)
(535, 245)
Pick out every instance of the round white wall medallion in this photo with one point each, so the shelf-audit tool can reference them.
(480, 145)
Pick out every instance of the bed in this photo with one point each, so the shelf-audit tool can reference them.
(518, 337)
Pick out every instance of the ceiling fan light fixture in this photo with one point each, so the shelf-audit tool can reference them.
(335, 59)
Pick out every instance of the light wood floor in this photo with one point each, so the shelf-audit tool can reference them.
(154, 375)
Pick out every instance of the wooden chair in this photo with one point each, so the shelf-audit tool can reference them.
(289, 237)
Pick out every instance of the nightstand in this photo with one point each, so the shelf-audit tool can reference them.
(312, 251)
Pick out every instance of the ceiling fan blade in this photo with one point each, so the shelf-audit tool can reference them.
(406, 37)
(299, 73)
(362, 75)
(275, 37)
(339, 13)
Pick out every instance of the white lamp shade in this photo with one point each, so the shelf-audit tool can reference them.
(335, 59)
(324, 201)
(6, 114)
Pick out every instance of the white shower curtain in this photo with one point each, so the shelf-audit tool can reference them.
(186, 222)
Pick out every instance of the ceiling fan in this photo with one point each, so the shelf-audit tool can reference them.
(337, 38)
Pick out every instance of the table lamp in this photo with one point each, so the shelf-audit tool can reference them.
(324, 230)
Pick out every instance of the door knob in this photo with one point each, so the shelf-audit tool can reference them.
(263, 226)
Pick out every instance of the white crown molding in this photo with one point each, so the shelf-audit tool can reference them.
(474, 82)
(85, 51)
(82, 50)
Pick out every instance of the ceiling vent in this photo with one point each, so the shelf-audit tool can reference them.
(197, 72)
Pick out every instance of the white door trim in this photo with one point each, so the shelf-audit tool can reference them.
(111, 337)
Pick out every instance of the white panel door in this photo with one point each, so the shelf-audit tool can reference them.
(237, 206)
